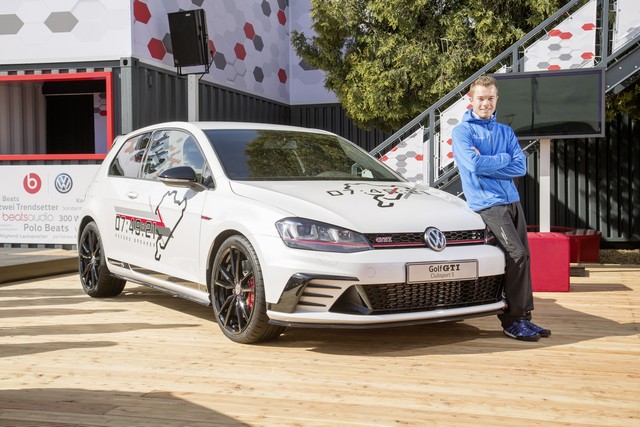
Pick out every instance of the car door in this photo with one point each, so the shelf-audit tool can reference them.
(166, 226)
(122, 213)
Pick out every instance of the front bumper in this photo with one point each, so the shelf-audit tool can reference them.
(344, 302)
(372, 287)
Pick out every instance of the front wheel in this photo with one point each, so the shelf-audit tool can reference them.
(237, 293)
(96, 280)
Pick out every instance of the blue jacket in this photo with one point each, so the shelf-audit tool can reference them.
(487, 178)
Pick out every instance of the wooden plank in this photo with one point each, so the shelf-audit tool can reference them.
(148, 359)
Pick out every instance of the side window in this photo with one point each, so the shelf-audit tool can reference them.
(191, 156)
(171, 148)
(207, 177)
(128, 161)
(157, 158)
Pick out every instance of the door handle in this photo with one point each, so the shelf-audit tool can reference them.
(132, 194)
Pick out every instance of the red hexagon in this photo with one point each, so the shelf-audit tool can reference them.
(141, 11)
(450, 141)
(212, 47)
(553, 67)
(419, 157)
(240, 52)
(587, 55)
(555, 32)
(384, 158)
(249, 31)
(588, 27)
(282, 18)
(156, 48)
(282, 75)
(450, 155)
(469, 107)
(566, 36)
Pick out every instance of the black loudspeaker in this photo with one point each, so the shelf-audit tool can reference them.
(189, 38)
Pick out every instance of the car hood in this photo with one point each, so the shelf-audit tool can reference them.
(365, 206)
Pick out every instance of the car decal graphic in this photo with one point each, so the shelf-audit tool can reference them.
(136, 225)
(164, 238)
(385, 195)
(154, 227)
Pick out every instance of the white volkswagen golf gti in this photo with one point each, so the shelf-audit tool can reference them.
(278, 226)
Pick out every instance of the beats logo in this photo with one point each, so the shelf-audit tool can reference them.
(32, 183)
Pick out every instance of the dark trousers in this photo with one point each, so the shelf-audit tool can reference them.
(508, 225)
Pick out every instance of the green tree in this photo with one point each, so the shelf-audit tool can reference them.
(626, 102)
(389, 60)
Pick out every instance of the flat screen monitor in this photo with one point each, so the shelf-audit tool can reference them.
(552, 104)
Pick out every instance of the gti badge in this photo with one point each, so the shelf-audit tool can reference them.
(435, 239)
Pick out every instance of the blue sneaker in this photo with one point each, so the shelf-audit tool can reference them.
(520, 331)
(540, 330)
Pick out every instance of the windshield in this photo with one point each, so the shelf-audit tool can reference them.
(293, 155)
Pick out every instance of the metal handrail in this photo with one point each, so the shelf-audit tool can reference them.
(427, 118)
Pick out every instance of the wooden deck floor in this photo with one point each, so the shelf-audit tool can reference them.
(148, 359)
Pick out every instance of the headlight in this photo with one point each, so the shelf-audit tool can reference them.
(317, 236)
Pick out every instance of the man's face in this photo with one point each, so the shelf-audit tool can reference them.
(484, 100)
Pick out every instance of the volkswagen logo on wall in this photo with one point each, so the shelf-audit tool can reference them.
(63, 183)
(435, 239)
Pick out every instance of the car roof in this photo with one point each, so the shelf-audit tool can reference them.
(220, 125)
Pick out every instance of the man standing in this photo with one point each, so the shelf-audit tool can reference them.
(489, 158)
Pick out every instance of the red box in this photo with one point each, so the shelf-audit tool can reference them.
(549, 262)
(585, 245)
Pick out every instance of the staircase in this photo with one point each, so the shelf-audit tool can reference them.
(421, 152)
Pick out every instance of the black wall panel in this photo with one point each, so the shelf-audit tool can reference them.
(333, 117)
(595, 184)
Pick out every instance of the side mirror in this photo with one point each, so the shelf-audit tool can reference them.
(181, 176)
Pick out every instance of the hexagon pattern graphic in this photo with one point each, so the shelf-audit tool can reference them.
(249, 41)
(306, 82)
(38, 31)
(449, 118)
(141, 12)
(10, 24)
(407, 158)
(569, 45)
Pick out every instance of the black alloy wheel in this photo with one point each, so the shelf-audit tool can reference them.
(96, 280)
(237, 293)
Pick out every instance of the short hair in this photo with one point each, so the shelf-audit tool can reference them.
(485, 81)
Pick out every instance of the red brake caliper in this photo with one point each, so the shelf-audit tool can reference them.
(252, 296)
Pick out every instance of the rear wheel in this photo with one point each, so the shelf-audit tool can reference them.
(94, 275)
(237, 293)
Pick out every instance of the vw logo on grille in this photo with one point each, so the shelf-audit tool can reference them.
(63, 183)
(435, 239)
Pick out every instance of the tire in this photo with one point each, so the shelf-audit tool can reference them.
(237, 293)
(96, 280)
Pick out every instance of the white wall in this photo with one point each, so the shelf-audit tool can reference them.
(251, 39)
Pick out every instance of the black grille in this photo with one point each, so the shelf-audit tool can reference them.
(402, 297)
(403, 240)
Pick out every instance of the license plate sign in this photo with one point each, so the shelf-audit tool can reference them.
(442, 271)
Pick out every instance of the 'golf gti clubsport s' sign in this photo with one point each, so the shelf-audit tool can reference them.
(442, 271)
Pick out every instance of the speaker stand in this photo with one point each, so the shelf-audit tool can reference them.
(193, 101)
